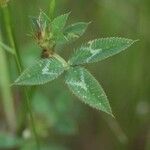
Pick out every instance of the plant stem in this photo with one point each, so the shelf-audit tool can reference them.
(52, 8)
(116, 129)
(65, 64)
(7, 96)
(28, 103)
(19, 67)
(11, 37)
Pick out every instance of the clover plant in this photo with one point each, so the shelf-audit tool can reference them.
(50, 33)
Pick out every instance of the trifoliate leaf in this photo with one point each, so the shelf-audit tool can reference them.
(42, 71)
(58, 23)
(72, 32)
(87, 88)
(99, 49)
(7, 48)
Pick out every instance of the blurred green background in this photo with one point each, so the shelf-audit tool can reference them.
(61, 119)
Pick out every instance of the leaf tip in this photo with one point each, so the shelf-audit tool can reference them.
(136, 40)
(69, 13)
(12, 84)
(15, 83)
(112, 115)
(89, 22)
(109, 112)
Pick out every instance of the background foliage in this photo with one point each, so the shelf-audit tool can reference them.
(62, 121)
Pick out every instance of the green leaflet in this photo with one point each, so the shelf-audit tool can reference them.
(7, 48)
(87, 88)
(57, 27)
(99, 49)
(72, 32)
(59, 23)
(42, 71)
(75, 30)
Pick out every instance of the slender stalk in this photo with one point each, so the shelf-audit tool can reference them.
(28, 103)
(7, 96)
(11, 37)
(116, 129)
(19, 66)
(52, 8)
(65, 64)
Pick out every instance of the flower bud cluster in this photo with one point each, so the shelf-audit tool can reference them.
(42, 32)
